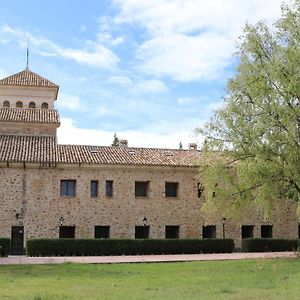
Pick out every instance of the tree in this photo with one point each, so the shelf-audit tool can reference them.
(256, 134)
(115, 141)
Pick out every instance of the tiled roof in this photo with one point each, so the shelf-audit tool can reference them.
(43, 149)
(29, 115)
(127, 156)
(35, 149)
(27, 78)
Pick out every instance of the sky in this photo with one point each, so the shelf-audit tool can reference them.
(150, 71)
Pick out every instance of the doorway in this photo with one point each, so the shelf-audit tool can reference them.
(17, 240)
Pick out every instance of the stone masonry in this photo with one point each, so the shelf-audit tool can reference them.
(32, 167)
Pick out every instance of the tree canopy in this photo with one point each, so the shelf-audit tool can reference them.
(256, 134)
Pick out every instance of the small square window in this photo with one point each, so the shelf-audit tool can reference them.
(142, 232)
(102, 232)
(172, 232)
(209, 232)
(109, 188)
(68, 188)
(171, 189)
(247, 231)
(94, 188)
(141, 188)
(266, 231)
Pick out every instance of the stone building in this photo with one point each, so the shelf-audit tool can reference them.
(50, 190)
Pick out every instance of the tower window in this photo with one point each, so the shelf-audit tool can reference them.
(19, 104)
(45, 105)
(6, 104)
(32, 105)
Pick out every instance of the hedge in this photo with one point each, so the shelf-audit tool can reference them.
(269, 245)
(94, 247)
(5, 246)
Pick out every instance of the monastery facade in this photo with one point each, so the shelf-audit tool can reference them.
(49, 190)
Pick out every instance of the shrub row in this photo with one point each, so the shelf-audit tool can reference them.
(5, 246)
(269, 245)
(93, 247)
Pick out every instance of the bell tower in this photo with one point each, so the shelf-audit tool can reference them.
(27, 105)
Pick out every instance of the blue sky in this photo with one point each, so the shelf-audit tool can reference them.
(151, 71)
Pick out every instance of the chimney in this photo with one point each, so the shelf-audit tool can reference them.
(193, 146)
(123, 143)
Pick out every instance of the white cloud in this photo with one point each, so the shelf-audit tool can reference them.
(149, 86)
(105, 33)
(186, 101)
(186, 58)
(120, 80)
(94, 54)
(68, 133)
(82, 28)
(191, 39)
(70, 102)
(139, 86)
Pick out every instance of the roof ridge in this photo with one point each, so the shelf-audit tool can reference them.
(129, 148)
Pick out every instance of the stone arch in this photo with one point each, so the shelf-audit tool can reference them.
(19, 104)
(45, 105)
(6, 104)
(32, 105)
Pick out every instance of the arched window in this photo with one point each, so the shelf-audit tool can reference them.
(6, 104)
(31, 105)
(19, 104)
(45, 105)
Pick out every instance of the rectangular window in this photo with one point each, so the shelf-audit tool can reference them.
(102, 232)
(171, 189)
(172, 232)
(109, 188)
(94, 188)
(67, 232)
(68, 188)
(247, 231)
(141, 188)
(298, 231)
(209, 232)
(142, 232)
(266, 231)
(200, 189)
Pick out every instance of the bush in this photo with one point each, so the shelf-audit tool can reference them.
(94, 247)
(269, 245)
(5, 246)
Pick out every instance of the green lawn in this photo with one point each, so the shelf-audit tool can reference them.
(248, 279)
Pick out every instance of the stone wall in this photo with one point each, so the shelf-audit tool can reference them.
(28, 128)
(34, 194)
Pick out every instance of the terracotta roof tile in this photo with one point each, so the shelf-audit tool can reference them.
(43, 149)
(27, 78)
(29, 115)
(34, 149)
(127, 156)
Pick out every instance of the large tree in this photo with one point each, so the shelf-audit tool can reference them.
(256, 134)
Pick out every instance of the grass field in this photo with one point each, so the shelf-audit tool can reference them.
(248, 279)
